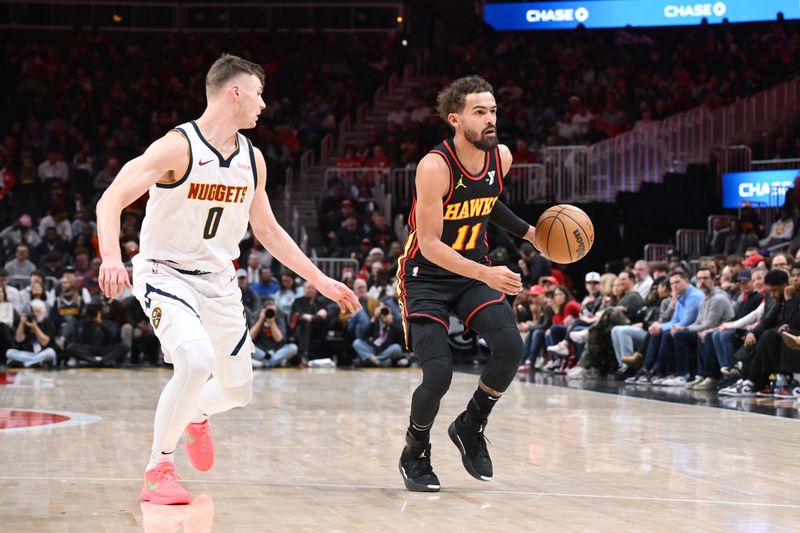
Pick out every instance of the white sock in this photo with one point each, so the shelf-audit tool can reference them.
(192, 362)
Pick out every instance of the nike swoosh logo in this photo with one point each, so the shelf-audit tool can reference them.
(190, 439)
(153, 486)
(205, 162)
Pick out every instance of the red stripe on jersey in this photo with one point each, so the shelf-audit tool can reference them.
(499, 166)
(484, 304)
(464, 170)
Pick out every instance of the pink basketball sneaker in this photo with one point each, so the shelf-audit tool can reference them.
(161, 486)
(199, 446)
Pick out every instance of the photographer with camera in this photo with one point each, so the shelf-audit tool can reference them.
(269, 337)
(98, 340)
(34, 338)
(383, 339)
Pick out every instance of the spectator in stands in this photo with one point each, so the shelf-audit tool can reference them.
(288, 293)
(540, 321)
(350, 159)
(522, 154)
(21, 232)
(739, 238)
(643, 278)
(9, 320)
(383, 286)
(34, 339)
(357, 323)
(269, 334)
(51, 242)
(12, 293)
(98, 341)
(250, 300)
(791, 199)
(630, 341)
(719, 233)
(348, 238)
(253, 267)
(724, 341)
(380, 232)
(20, 265)
(36, 290)
(781, 231)
(56, 218)
(312, 316)
(383, 339)
(532, 264)
(81, 225)
(266, 286)
(782, 262)
(764, 339)
(660, 348)
(53, 168)
(715, 309)
(104, 178)
(379, 159)
(137, 334)
(564, 310)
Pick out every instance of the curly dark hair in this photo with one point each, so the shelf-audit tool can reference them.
(451, 99)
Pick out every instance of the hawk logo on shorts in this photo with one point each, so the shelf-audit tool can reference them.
(156, 317)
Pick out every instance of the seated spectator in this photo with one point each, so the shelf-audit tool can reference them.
(630, 341)
(356, 323)
(715, 309)
(34, 339)
(20, 266)
(104, 178)
(383, 339)
(764, 340)
(21, 232)
(137, 334)
(9, 319)
(350, 159)
(266, 286)
(36, 291)
(380, 232)
(781, 261)
(563, 310)
(51, 242)
(82, 225)
(348, 238)
(98, 341)
(522, 155)
(781, 231)
(540, 321)
(532, 264)
(379, 159)
(383, 286)
(253, 267)
(740, 237)
(643, 278)
(53, 168)
(11, 292)
(56, 218)
(269, 334)
(288, 293)
(660, 347)
(312, 317)
(250, 300)
(719, 233)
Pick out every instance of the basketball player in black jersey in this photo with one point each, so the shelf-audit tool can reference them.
(445, 269)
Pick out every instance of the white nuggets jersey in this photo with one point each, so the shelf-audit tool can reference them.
(196, 223)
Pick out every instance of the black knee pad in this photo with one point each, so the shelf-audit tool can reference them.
(497, 326)
(429, 342)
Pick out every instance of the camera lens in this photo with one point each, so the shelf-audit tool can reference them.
(270, 313)
(385, 311)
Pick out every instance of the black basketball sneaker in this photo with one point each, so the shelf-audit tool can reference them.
(415, 467)
(468, 437)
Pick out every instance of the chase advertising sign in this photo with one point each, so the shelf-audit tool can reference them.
(621, 13)
(765, 187)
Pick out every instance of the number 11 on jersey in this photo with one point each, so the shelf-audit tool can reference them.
(462, 235)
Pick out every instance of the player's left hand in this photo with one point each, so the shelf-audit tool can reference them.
(339, 293)
(531, 237)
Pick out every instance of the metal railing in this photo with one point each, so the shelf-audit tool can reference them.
(691, 242)
(526, 183)
(333, 266)
(656, 252)
(325, 149)
(775, 164)
(649, 151)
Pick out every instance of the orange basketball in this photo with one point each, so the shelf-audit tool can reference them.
(564, 233)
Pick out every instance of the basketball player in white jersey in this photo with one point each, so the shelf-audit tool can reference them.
(206, 181)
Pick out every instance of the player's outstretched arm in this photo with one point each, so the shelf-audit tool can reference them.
(169, 153)
(432, 183)
(501, 216)
(275, 239)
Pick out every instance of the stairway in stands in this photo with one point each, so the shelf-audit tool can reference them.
(308, 189)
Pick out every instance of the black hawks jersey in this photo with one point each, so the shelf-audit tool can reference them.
(465, 214)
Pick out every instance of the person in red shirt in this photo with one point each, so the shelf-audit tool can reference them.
(564, 310)
(522, 155)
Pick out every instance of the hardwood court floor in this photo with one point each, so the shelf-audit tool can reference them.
(317, 450)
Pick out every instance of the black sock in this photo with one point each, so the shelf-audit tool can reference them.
(420, 434)
(481, 405)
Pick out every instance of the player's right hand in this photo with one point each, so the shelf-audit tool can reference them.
(502, 279)
(113, 277)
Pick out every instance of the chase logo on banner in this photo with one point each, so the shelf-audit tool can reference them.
(621, 13)
(760, 188)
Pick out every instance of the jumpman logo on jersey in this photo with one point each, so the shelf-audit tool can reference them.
(460, 183)
(490, 179)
